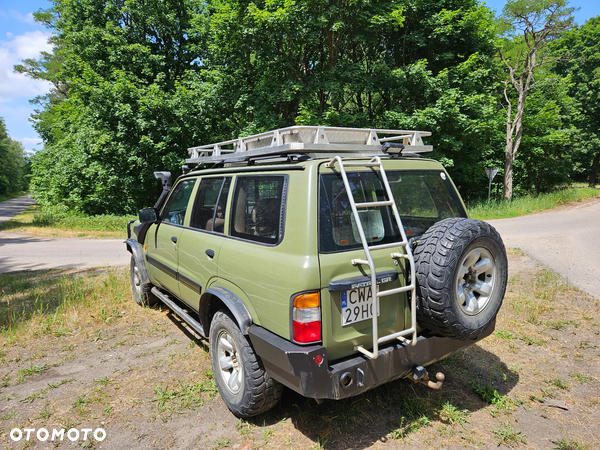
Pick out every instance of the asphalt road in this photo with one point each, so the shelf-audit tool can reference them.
(26, 252)
(566, 240)
(11, 208)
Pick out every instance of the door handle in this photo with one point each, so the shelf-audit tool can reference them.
(210, 253)
(174, 239)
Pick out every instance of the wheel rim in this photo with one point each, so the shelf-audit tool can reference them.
(137, 281)
(229, 364)
(475, 281)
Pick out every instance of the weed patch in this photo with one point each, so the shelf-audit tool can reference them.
(507, 435)
(183, 396)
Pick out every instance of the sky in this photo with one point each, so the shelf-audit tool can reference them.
(21, 37)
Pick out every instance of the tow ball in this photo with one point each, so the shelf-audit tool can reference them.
(420, 375)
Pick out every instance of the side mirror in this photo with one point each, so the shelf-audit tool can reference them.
(148, 215)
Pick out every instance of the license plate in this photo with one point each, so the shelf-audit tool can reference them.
(357, 305)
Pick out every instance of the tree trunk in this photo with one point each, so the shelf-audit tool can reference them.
(594, 170)
(514, 135)
(508, 170)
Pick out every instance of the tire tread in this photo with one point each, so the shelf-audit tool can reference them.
(436, 258)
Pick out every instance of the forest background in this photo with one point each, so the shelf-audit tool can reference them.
(137, 82)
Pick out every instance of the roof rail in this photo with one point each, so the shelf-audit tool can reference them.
(315, 141)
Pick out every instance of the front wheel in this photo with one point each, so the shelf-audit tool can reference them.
(461, 271)
(244, 385)
(141, 290)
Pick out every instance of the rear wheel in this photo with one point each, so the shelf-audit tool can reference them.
(141, 290)
(461, 271)
(243, 383)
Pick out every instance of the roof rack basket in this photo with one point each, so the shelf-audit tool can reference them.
(315, 141)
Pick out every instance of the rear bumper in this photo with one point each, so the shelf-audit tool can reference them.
(295, 367)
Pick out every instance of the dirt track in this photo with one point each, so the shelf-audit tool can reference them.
(144, 378)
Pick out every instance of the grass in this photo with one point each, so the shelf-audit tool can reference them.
(58, 302)
(526, 205)
(41, 221)
(567, 444)
(30, 371)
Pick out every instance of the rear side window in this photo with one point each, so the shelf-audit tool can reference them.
(176, 208)
(257, 212)
(422, 198)
(210, 204)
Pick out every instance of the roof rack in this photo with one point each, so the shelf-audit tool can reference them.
(315, 141)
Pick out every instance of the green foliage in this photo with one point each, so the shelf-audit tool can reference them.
(134, 102)
(13, 165)
(140, 81)
(358, 63)
(578, 54)
(136, 83)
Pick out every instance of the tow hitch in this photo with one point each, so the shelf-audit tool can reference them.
(420, 375)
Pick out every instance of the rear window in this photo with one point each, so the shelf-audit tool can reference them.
(422, 198)
(258, 208)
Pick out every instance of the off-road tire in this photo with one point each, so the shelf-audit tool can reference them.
(141, 290)
(256, 391)
(457, 262)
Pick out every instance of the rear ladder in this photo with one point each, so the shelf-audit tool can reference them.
(375, 162)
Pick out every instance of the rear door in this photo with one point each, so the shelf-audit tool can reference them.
(200, 243)
(345, 293)
(424, 195)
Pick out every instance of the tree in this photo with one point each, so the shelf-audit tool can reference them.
(146, 79)
(12, 163)
(578, 54)
(529, 25)
(47, 68)
(134, 103)
(422, 64)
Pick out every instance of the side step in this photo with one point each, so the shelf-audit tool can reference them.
(196, 326)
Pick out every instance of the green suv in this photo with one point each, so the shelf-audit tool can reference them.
(327, 260)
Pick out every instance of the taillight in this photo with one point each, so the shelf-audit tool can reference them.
(306, 318)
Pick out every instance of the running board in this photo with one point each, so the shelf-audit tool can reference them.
(196, 326)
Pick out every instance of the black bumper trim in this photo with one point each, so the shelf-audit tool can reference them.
(295, 367)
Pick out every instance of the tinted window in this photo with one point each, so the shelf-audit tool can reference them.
(422, 198)
(257, 208)
(211, 201)
(176, 208)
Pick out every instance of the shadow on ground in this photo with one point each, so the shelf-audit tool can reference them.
(396, 409)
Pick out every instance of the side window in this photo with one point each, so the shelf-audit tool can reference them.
(211, 201)
(176, 208)
(257, 208)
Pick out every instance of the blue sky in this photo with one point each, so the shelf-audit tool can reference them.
(21, 37)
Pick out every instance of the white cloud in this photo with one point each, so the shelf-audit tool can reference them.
(14, 85)
(29, 45)
(31, 145)
(25, 18)
(29, 142)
